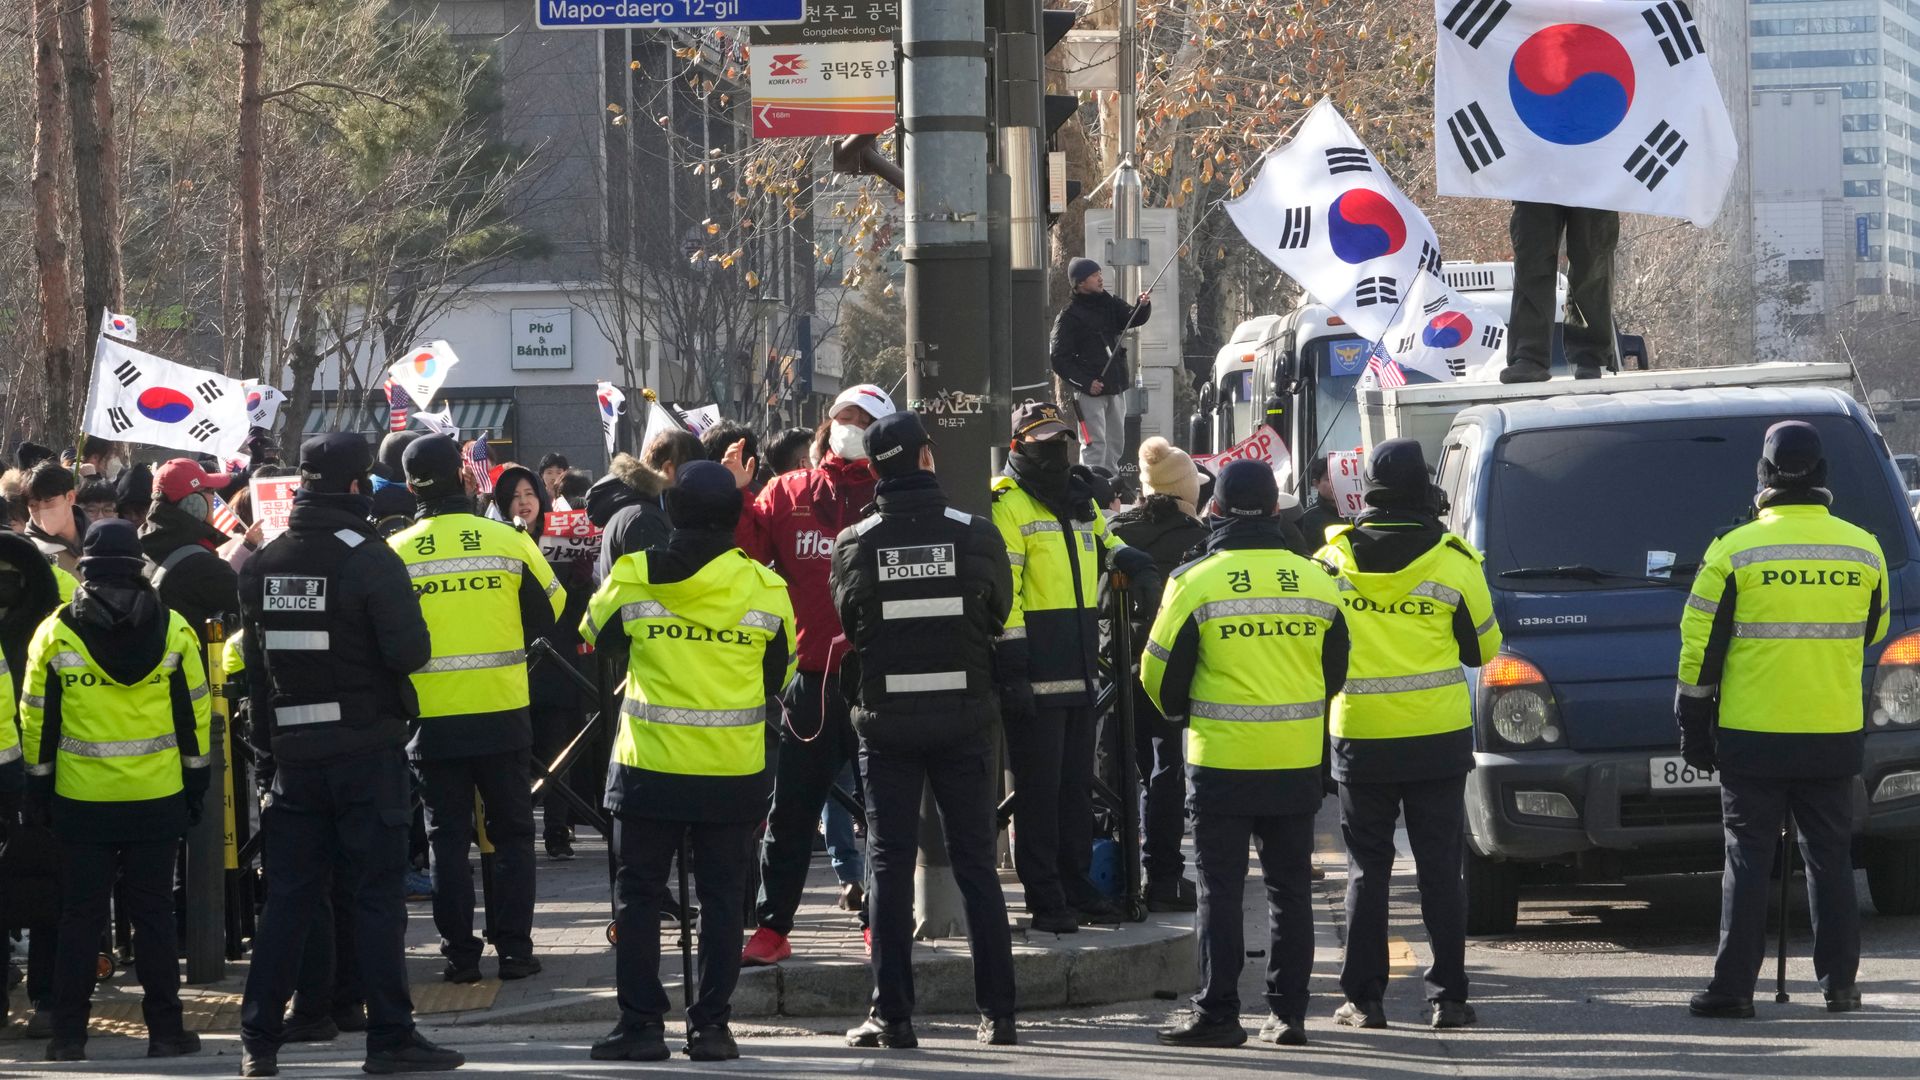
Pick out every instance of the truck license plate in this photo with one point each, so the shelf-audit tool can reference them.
(1674, 774)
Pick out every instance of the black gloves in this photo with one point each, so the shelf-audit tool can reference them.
(1696, 717)
(37, 809)
(196, 806)
(1132, 562)
(1016, 701)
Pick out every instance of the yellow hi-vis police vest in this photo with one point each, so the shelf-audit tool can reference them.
(118, 742)
(1797, 587)
(695, 699)
(1258, 696)
(466, 570)
(1053, 615)
(64, 582)
(9, 720)
(1404, 676)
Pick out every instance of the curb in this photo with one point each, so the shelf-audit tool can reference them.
(1097, 966)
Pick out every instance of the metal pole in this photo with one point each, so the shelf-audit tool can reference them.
(944, 120)
(1022, 112)
(1129, 252)
(205, 943)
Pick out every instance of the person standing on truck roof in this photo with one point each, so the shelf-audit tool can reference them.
(1588, 332)
(1247, 646)
(1772, 643)
(1419, 610)
(1087, 354)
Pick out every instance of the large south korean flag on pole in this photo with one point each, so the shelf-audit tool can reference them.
(1609, 104)
(139, 397)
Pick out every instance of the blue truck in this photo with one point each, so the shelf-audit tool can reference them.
(1594, 509)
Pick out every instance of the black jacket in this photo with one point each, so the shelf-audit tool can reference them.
(626, 504)
(39, 595)
(1316, 520)
(1160, 528)
(1085, 332)
(549, 687)
(984, 578)
(382, 636)
(201, 585)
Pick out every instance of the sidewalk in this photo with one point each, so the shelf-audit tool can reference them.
(828, 975)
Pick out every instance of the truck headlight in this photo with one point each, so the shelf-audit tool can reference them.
(1896, 684)
(1520, 702)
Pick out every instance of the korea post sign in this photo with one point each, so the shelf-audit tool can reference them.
(831, 75)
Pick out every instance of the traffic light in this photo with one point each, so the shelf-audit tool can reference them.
(1060, 191)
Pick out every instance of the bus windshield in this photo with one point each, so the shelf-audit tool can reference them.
(1337, 364)
(1236, 407)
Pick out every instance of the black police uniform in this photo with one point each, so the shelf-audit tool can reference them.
(923, 590)
(332, 630)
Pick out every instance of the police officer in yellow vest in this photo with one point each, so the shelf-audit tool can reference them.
(1057, 541)
(486, 591)
(1772, 643)
(115, 724)
(1248, 645)
(1417, 603)
(709, 637)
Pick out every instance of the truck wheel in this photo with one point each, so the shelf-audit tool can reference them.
(1493, 895)
(1893, 876)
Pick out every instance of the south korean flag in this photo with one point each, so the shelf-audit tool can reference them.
(1441, 335)
(1326, 213)
(139, 397)
(1607, 104)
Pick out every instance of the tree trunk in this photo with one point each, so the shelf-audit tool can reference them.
(303, 361)
(253, 256)
(100, 48)
(49, 244)
(95, 232)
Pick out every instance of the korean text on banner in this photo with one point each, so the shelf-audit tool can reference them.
(139, 397)
(830, 75)
(568, 536)
(273, 503)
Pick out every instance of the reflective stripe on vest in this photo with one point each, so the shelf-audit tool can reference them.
(934, 607)
(1401, 684)
(1062, 686)
(1273, 605)
(474, 662)
(1800, 631)
(11, 753)
(462, 565)
(1804, 553)
(297, 640)
(118, 748)
(301, 715)
(1255, 714)
(931, 682)
(701, 718)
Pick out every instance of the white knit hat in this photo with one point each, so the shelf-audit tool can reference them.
(1165, 469)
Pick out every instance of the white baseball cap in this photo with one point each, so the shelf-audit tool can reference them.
(872, 400)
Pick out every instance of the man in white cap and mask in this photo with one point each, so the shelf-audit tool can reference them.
(792, 526)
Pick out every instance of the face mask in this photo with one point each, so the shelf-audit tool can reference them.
(847, 441)
(1055, 456)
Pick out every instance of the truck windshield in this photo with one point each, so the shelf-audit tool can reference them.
(1337, 364)
(1635, 505)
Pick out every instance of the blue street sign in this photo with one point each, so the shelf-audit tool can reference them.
(604, 14)
(1860, 236)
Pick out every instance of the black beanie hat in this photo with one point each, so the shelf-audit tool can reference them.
(1397, 476)
(434, 467)
(703, 496)
(1793, 458)
(1247, 489)
(111, 550)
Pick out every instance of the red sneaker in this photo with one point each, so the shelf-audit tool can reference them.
(764, 948)
(867, 932)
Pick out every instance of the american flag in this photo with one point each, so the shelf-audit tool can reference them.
(480, 464)
(223, 518)
(1384, 369)
(399, 404)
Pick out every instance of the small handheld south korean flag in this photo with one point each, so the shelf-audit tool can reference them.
(612, 403)
(263, 404)
(121, 326)
(1443, 335)
(139, 397)
(1609, 104)
(423, 371)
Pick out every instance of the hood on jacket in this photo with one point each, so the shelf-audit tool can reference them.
(1385, 586)
(169, 528)
(717, 596)
(39, 595)
(123, 625)
(628, 483)
(503, 487)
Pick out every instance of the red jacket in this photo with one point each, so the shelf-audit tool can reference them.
(793, 525)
